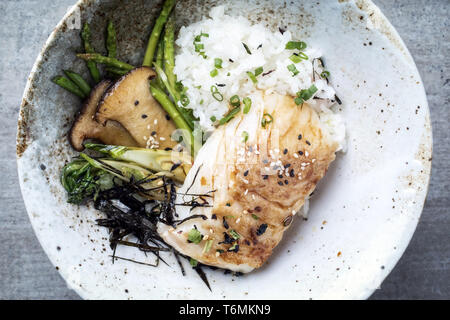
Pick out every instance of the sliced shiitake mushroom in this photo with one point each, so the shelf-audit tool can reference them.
(85, 127)
(130, 103)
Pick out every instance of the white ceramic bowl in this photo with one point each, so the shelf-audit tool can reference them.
(362, 216)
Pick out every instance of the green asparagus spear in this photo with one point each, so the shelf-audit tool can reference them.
(159, 61)
(156, 32)
(79, 81)
(86, 36)
(117, 71)
(69, 86)
(111, 40)
(110, 62)
(169, 56)
(173, 112)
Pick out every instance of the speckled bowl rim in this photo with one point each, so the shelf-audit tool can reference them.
(388, 30)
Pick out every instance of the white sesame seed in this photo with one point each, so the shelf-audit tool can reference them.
(148, 127)
(206, 237)
(306, 153)
(162, 138)
(313, 160)
(246, 191)
(217, 253)
(295, 155)
(155, 122)
(211, 230)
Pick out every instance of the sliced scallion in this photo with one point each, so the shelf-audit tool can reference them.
(218, 63)
(216, 94)
(325, 74)
(235, 101)
(293, 69)
(299, 45)
(230, 115)
(258, 71)
(252, 77)
(247, 104)
(267, 118)
(214, 73)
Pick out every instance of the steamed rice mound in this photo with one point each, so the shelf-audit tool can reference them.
(223, 38)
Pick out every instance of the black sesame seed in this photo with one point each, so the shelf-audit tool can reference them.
(299, 137)
(280, 183)
(258, 209)
(231, 60)
(168, 149)
(167, 117)
(285, 151)
(136, 102)
(300, 153)
(265, 177)
(280, 176)
(214, 217)
(153, 133)
(308, 143)
(287, 165)
(286, 182)
(225, 223)
(262, 228)
(144, 116)
(42, 166)
(246, 173)
(292, 173)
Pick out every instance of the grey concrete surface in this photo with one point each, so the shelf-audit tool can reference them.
(422, 273)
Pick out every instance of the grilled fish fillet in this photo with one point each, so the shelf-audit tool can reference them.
(251, 190)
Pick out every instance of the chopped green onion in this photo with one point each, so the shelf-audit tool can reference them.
(245, 136)
(214, 73)
(299, 45)
(235, 235)
(193, 262)
(252, 77)
(246, 48)
(216, 94)
(199, 47)
(267, 118)
(298, 57)
(194, 236)
(258, 71)
(201, 101)
(325, 74)
(305, 94)
(298, 101)
(207, 246)
(235, 101)
(254, 216)
(199, 37)
(293, 69)
(247, 104)
(230, 115)
(213, 119)
(218, 63)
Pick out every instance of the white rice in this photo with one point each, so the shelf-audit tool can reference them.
(226, 35)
